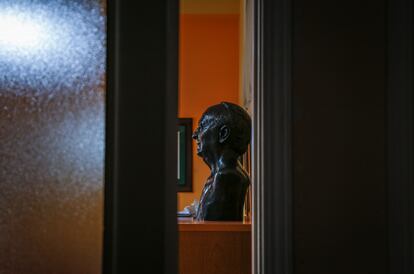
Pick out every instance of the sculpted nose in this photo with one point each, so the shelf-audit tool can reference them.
(195, 134)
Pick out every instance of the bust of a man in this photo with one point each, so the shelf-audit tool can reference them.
(222, 136)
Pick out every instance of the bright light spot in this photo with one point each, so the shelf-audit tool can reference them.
(51, 47)
(17, 31)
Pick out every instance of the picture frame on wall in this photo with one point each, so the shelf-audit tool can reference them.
(184, 155)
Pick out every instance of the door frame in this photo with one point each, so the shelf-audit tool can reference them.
(140, 231)
(400, 128)
(140, 226)
(272, 136)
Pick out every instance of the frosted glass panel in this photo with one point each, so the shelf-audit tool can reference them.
(52, 94)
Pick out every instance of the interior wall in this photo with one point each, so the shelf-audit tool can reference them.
(208, 74)
(339, 87)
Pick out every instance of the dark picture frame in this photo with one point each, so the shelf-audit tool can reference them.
(184, 155)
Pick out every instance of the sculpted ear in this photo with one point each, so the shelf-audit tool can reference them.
(224, 133)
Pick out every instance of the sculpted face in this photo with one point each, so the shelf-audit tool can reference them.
(206, 135)
(223, 128)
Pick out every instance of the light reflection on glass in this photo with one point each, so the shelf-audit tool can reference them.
(52, 93)
(44, 42)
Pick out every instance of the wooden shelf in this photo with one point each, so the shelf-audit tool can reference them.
(214, 247)
(188, 224)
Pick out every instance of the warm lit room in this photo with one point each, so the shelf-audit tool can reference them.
(211, 56)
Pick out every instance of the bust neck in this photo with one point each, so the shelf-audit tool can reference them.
(225, 159)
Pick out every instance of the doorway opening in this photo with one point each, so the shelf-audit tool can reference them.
(212, 69)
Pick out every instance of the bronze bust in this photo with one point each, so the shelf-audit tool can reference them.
(222, 136)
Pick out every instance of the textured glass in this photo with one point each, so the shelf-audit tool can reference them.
(52, 93)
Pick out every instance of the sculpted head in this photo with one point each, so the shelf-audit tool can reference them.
(224, 126)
